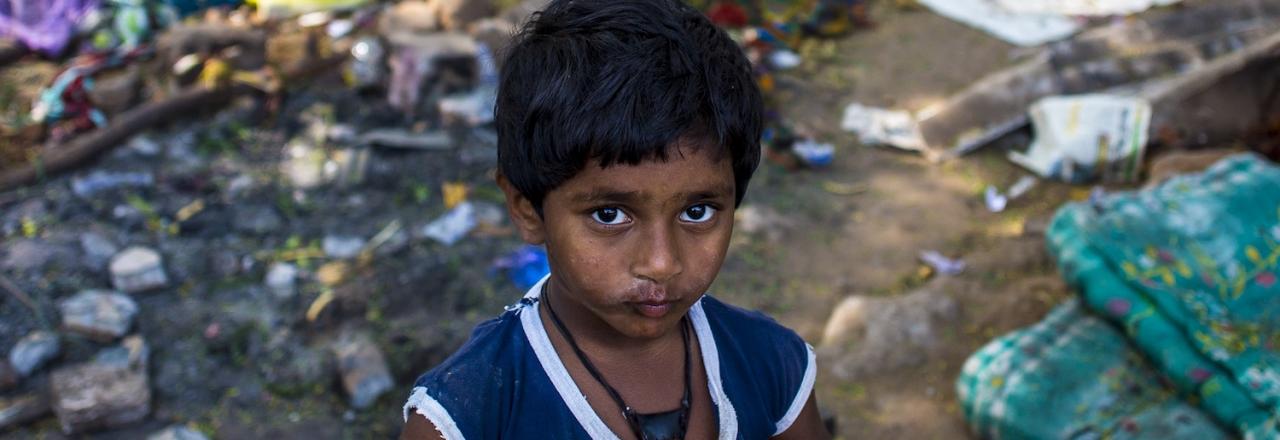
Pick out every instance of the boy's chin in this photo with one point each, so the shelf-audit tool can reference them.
(640, 327)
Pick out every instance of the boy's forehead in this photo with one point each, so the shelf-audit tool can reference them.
(684, 173)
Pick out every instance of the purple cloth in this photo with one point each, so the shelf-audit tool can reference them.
(45, 26)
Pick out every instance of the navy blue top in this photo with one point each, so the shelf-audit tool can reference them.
(507, 381)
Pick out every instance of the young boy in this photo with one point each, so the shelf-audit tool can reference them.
(628, 131)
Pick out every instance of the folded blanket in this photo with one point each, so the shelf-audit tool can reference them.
(1187, 271)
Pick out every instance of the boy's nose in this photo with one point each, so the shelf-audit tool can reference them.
(658, 256)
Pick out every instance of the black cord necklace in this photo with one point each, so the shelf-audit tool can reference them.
(669, 425)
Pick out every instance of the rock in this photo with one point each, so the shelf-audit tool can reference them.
(290, 369)
(282, 280)
(99, 181)
(33, 350)
(98, 314)
(1184, 162)
(363, 369)
(93, 396)
(137, 269)
(8, 376)
(342, 247)
(19, 410)
(259, 220)
(304, 165)
(456, 15)
(144, 145)
(177, 433)
(34, 210)
(133, 352)
(866, 335)
(98, 249)
(223, 264)
(32, 255)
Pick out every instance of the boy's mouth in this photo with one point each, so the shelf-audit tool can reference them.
(653, 309)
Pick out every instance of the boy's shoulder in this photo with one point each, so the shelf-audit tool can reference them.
(745, 324)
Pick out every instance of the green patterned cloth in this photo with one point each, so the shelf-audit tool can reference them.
(1187, 273)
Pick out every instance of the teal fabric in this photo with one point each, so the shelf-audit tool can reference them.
(1073, 376)
(1187, 271)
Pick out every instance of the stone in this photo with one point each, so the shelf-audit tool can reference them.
(282, 280)
(290, 369)
(138, 269)
(98, 314)
(342, 246)
(144, 145)
(258, 220)
(177, 432)
(133, 352)
(98, 249)
(866, 335)
(363, 369)
(31, 255)
(33, 351)
(19, 410)
(8, 376)
(223, 264)
(34, 210)
(1184, 162)
(456, 15)
(95, 396)
(304, 165)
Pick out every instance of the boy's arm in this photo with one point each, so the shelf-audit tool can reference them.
(808, 425)
(419, 428)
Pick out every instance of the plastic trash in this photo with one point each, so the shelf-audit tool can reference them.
(368, 63)
(99, 181)
(942, 264)
(453, 225)
(814, 154)
(1087, 137)
(877, 126)
(476, 107)
(524, 266)
(996, 202)
(1020, 28)
(42, 25)
(1083, 7)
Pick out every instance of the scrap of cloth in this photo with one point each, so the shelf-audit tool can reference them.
(1187, 273)
(45, 26)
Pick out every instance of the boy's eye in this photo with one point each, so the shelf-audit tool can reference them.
(609, 216)
(698, 214)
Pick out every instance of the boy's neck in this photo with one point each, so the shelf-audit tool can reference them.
(589, 330)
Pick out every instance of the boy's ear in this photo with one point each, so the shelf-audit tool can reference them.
(522, 213)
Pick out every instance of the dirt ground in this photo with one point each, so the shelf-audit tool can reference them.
(854, 228)
(834, 245)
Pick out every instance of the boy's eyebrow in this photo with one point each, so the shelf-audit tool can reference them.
(717, 191)
(620, 196)
(606, 195)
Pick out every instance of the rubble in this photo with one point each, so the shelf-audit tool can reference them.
(98, 249)
(866, 335)
(92, 396)
(138, 269)
(282, 280)
(364, 371)
(342, 247)
(98, 314)
(33, 351)
(177, 433)
(19, 410)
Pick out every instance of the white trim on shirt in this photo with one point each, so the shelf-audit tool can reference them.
(802, 396)
(434, 412)
(536, 334)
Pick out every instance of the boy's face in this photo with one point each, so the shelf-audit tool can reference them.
(636, 245)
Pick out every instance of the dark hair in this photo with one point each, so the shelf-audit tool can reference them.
(619, 81)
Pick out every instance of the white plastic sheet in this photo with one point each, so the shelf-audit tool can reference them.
(1088, 137)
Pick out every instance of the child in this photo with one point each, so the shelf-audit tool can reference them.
(628, 131)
